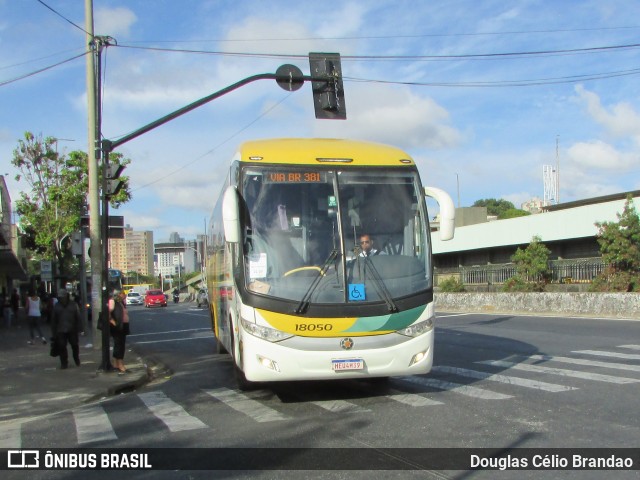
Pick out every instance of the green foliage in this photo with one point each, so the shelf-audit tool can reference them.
(451, 285)
(518, 284)
(620, 247)
(500, 208)
(57, 197)
(513, 213)
(532, 268)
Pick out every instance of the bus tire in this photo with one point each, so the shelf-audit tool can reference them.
(243, 384)
(219, 348)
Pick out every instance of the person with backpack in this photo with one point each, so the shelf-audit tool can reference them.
(119, 328)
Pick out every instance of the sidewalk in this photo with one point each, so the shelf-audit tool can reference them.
(32, 383)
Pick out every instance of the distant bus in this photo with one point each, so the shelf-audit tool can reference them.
(291, 294)
(141, 288)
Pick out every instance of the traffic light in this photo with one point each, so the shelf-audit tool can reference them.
(328, 92)
(113, 183)
(77, 243)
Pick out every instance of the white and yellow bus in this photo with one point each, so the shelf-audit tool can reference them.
(291, 292)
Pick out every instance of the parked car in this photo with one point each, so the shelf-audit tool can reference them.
(155, 298)
(202, 298)
(134, 298)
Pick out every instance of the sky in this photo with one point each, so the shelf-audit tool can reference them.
(482, 94)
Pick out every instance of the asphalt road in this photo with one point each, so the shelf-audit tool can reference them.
(498, 381)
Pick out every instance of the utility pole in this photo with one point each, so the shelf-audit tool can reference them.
(93, 153)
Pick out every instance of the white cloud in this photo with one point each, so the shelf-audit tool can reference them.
(600, 155)
(620, 120)
(393, 115)
(113, 21)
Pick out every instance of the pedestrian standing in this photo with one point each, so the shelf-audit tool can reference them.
(15, 303)
(33, 317)
(119, 328)
(66, 323)
(6, 310)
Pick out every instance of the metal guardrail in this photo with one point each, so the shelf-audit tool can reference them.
(562, 271)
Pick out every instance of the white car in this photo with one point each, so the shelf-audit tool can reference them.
(134, 298)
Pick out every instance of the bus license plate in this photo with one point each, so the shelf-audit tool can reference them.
(347, 364)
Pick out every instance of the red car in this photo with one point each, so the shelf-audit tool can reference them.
(155, 298)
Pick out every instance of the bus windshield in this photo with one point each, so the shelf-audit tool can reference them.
(319, 236)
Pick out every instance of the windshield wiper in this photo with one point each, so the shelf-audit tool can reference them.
(304, 303)
(380, 286)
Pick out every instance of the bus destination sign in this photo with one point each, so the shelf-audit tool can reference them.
(295, 177)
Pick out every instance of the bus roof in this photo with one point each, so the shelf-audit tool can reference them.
(319, 151)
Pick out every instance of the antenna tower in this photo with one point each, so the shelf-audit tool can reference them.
(551, 180)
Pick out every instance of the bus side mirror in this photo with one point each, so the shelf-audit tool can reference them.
(447, 211)
(231, 215)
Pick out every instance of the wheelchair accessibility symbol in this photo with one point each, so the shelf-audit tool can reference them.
(356, 292)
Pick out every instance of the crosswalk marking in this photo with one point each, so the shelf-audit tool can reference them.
(494, 377)
(248, 406)
(626, 356)
(560, 371)
(455, 387)
(172, 415)
(11, 435)
(413, 400)
(93, 425)
(591, 363)
(340, 406)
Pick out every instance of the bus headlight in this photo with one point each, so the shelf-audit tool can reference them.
(266, 333)
(417, 329)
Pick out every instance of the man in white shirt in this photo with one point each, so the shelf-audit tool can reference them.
(366, 243)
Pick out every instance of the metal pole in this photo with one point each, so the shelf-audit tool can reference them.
(106, 361)
(92, 159)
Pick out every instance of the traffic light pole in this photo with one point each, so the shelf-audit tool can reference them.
(328, 99)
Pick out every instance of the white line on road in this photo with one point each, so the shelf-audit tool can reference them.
(591, 363)
(560, 371)
(494, 377)
(10, 435)
(175, 339)
(626, 356)
(170, 413)
(413, 400)
(93, 425)
(168, 332)
(340, 406)
(467, 390)
(248, 406)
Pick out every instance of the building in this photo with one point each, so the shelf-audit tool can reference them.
(177, 259)
(133, 253)
(568, 229)
(13, 262)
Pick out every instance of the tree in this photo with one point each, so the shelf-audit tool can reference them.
(513, 213)
(500, 208)
(50, 212)
(620, 247)
(532, 268)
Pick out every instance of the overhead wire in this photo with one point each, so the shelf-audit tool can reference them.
(220, 144)
(466, 56)
(63, 17)
(395, 36)
(40, 70)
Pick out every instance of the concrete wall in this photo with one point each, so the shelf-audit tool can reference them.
(606, 305)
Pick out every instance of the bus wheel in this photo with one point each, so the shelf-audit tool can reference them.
(219, 348)
(241, 379)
